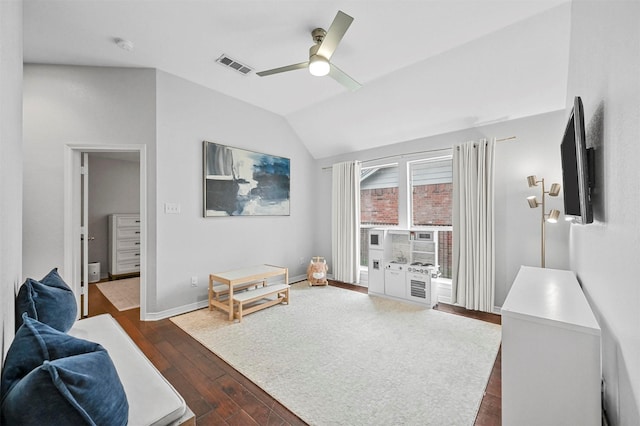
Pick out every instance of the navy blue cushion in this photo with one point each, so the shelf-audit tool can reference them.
(35, 343)
(49, 300)
(53, 378)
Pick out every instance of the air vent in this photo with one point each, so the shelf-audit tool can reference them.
(233, 64)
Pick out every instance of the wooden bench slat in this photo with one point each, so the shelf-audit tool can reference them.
(259, 292)
(282, 290)
(223, 288)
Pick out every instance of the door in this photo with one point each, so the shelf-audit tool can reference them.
(395, 283)
(84, 232)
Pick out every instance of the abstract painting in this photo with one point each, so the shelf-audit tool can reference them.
(238, 182)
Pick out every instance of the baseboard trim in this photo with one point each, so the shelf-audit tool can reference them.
(157, 316)
(179, 310)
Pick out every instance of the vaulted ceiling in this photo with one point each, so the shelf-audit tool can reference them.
(426, 67)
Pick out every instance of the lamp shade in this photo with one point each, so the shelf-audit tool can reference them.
(533, 201)
(531, 180)
(553, 216)
(319, 66)
(555, 189)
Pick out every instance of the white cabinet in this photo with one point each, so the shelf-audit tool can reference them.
(124, 244)
(550, 352)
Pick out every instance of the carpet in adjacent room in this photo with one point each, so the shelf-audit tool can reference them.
(124, 294)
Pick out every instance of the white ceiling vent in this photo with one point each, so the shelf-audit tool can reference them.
(233, 64)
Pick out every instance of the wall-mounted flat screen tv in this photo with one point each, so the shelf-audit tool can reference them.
(577, 167)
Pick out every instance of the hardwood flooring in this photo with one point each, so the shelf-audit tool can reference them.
(218, 394)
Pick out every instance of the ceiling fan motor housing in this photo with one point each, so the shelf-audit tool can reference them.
(318, 65)
(313, 50)
(318, 35)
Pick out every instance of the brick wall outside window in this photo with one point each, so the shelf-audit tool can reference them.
(379, 206)
(432, 204)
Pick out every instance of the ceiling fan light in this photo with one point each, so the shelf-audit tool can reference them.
(319, 66)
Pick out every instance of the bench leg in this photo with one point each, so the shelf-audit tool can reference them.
(210, 296)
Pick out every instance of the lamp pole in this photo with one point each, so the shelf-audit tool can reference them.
(542, 230)
(552, 216)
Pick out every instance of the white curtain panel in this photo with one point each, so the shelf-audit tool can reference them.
(473, 281)
(345, 222)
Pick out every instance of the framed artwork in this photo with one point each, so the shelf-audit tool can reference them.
(238, 182)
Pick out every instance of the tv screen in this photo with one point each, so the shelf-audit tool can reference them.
(576, 170)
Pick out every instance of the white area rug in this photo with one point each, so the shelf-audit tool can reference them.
(338, 357)
(124, 294)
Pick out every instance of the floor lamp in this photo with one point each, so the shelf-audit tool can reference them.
(551, 217)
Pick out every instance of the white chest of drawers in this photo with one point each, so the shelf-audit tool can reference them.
(124, 244)
(550, 352)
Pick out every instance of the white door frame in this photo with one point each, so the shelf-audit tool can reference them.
(84, 229)
(72, 199)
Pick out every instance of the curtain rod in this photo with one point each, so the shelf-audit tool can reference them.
(418, 152)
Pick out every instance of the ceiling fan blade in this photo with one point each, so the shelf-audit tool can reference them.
(284, 69)
(338, 75)
(336, 31)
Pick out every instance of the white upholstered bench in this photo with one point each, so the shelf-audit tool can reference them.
(152, 399)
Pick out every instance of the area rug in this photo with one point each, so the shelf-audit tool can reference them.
(124, 294)
(338, 357)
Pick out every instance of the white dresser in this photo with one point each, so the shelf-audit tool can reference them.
(124, 245)
(550, 352)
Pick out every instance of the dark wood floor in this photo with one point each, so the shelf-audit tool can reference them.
(218, 394)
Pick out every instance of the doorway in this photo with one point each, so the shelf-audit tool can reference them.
(86, 215)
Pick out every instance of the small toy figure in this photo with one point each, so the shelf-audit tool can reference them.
(317, 271)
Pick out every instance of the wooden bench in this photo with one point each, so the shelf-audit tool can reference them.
(281, 290)
(220, 290)
(248, 276)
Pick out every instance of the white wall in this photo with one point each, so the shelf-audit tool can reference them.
(536, 150)
(114, 187)
(604, 70)
(10, 166)
(67, 104)
(192, 245)
(70, 105)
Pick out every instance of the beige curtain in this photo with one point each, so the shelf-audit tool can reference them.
(473, 281)
(345, 222)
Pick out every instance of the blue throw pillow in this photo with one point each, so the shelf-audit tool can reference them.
(35, 343)
(74, 382)
(49, 300)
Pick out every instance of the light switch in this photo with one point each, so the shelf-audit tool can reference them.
(172, 208)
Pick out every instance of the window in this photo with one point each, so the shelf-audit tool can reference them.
(431, 203)
(379, 196)
(431, 192)
(378, 203)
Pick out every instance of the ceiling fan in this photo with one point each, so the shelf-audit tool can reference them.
(320, 53)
